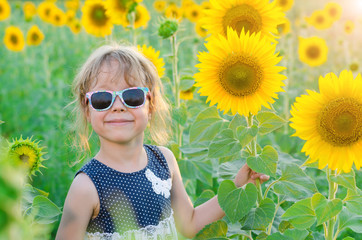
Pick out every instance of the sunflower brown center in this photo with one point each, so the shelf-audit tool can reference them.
(195, 13)
(14, 39)
(122, 4)
(240, 75)
(340, 122)
(353, 67)
(98, 15)
(57, 18)
(333, 12)
(34, 37)
(24, 158)
(242, 16)
(320, 19)
(47, 12)
(283, 2)
(313, 52)
(1, 9)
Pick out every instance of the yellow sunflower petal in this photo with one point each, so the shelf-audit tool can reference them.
(235, 75)
(331, 121)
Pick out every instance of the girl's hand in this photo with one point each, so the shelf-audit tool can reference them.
(246, 175)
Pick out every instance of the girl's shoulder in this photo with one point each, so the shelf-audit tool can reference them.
(170, 158)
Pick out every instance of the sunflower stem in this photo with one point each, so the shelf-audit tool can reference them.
(331, 195)
(176, 83)
(254, 154)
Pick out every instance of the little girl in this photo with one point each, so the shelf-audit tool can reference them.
(129, 190)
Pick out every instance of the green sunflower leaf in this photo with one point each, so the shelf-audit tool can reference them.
(246, 134)
(325, 209)
(268, 122)
(301, 214)
(204, 197)
(196, 169)
(354, 203)
(294, 183)
(236, 202)
(215, 230)
(277, 236)
(44, 211)
(259, 218)
(345, 179)
(224, 144)
(206, 125)
(296, 234)
(266, 162)
(346, 219)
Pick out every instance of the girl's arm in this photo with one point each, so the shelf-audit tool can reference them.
(189, 220)
(78, 208)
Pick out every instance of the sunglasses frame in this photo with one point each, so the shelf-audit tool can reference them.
(114, 95)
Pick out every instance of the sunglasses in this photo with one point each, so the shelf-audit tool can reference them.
(103, 100)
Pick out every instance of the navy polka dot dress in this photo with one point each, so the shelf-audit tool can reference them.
(133, 205)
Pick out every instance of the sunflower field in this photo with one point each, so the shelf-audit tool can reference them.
(274, 84)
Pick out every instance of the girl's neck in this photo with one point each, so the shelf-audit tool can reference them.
(122, 155)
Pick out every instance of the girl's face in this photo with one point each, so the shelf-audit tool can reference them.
(118, 124)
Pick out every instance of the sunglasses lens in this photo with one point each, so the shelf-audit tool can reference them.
(133, 97)
(101, 100)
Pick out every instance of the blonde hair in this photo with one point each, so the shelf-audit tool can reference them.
(136, 70)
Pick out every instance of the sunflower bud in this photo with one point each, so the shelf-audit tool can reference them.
(27, 153)
(167, 28)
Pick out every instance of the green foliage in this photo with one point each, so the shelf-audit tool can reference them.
(294, 183)
(301, 214)
(325, 209)
(266, 162)
(259, 218)
(236, 202)
(215, 230)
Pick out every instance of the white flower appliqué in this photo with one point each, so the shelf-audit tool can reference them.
(160, 186)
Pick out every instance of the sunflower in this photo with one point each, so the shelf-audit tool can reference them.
(173, 11)
(59, 18)
(95, 18)
(45, 10)
(118, 10)
(29, 9)
(5, 10)
(34, 36)
(334, 10)
(354, 67)
(206, 5)
(349, 26)
(251, 15)
(239, 72)
(331, 122)
(187, 3)
(75, 26)
(142, 17)
(14, 39)
(28, 153)
(284, 28)
(193, 13)
(313, 51)
(72, 4)
(285, 4)
(159, 5)
(320, 20)
(187, 95)
(151, 54)
(200, 30)
(69, 16)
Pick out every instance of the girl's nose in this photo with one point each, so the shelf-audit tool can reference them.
(118, 105)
